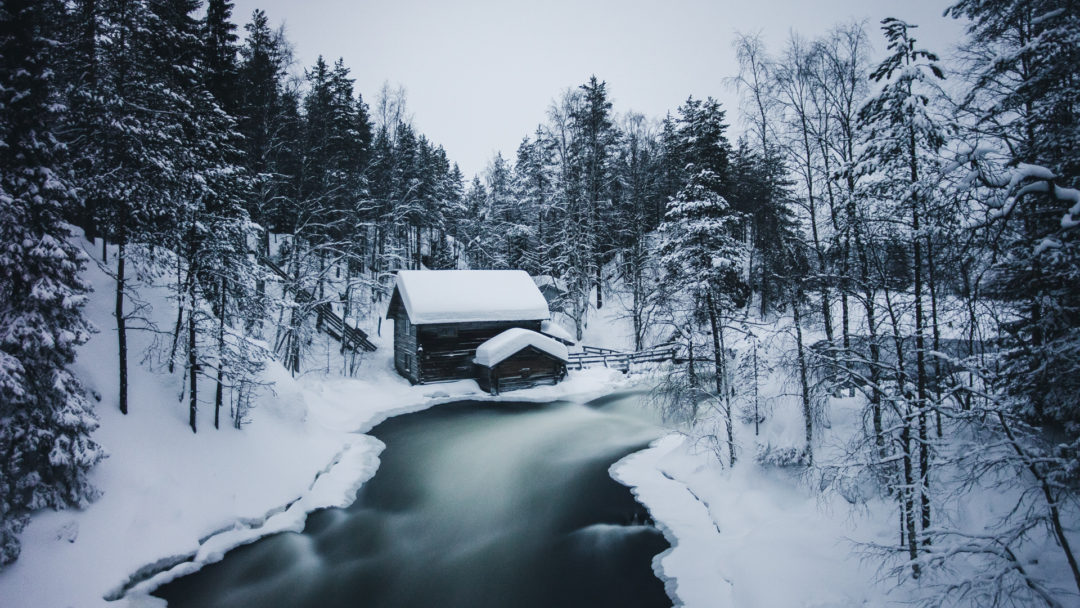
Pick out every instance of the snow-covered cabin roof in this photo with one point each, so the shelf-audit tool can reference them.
(502, 346)
(466, 296)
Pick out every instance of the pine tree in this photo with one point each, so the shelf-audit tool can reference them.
(902, 141)
(700, 256)
(45, 421)
(701, 140)
(262, 118)
(219, 54)
(1022, 109)
(594, 143)
(1024, 98)
(119, 142)
(760, 190)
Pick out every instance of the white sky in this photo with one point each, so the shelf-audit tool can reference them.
(480, 74)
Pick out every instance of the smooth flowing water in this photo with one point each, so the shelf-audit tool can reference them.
(474, 504)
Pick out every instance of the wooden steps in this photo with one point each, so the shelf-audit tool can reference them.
(329, 321)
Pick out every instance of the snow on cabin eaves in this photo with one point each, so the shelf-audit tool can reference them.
(467, 296)
(504, 345)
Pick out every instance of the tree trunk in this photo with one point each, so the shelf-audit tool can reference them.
(293, 357)
(638, 303)
(260, 283)
(219, 392)
(691, 372)
(180, 294)
(599, 283)
(719, 368)
(804, 380)
(193, 371)
(727, 398)
(920, 349)
(931, 283)
(907, 500)
(757, 415)
(121, 321)
(322, 267)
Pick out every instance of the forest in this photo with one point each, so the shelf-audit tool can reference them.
(912, 218)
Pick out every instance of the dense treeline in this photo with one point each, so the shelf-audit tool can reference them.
(182, 148)
(927, 238)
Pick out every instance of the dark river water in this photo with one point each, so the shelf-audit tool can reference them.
(474, 504)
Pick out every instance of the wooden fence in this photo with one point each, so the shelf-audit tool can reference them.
(594, 356)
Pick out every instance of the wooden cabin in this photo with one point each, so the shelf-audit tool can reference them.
(442, 316)
(519, 358)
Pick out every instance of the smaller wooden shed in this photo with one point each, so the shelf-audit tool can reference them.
(519, 358)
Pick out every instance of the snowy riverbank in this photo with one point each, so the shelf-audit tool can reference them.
(170, 497)
(172, 500)
(749, 536)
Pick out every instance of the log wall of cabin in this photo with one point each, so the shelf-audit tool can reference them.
(405, 347)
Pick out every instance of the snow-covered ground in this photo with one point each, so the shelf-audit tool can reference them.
(173, 500)
(753, 536)
(746, 536)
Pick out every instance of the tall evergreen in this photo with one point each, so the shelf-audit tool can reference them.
(903, 139)
(701, 260)
(220, 54)
(594, 146)
(45, 420)
(1025, 101)
(701, 141)
(262, 110)
(760, 190)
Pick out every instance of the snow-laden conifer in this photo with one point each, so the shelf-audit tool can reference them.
(45, 420)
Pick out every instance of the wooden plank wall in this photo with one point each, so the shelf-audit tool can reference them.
(448, 349)
(404, 347)
(529, 367)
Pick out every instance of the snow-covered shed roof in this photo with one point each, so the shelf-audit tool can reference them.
(502, 346)
(466, 296)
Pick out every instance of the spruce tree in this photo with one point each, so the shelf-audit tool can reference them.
(219, 54)
(45, 420)
(1025, 99)
(701, 257)
(902, 140)
(594, 144)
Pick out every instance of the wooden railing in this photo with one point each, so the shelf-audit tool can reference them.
(327, 320)
(594, 356)
(599, 350)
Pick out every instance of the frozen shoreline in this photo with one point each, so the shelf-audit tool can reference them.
(173, 500)
(690, 569)
(115, 554)
(358, 462)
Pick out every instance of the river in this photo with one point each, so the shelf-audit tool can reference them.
(474, 504)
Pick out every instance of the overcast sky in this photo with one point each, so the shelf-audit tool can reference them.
(480, 74)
